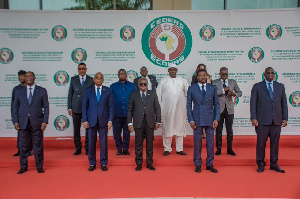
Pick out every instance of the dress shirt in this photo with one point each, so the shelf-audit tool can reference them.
(32, 90)
(226, 83)
(149, 82)
(80, 78)
(121, 93)
(99, 89)
(267, 84)
(200, 85)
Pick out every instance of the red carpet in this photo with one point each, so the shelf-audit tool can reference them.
(66, 176)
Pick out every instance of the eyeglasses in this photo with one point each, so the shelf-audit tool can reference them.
(270, 73)
(143, 84)
(81, 68)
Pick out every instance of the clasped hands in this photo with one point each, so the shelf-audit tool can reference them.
(194, 127)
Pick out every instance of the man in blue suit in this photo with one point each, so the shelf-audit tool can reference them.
(204, 114)
(97, 115)
(30, 117)
(269, 112)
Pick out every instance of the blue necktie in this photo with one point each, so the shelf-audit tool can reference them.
(203, 91)
(270, 91)
(30, 95)
(98, 94)
(82, 81)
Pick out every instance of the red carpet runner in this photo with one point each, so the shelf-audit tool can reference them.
(66, 176)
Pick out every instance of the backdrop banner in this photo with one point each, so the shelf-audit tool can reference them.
(52, 43)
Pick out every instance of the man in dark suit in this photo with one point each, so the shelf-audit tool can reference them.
(97, 115)
(144, 109)
(151, 79)
(269, 112)
(78, 85)
(204, 114)
(30, 117)
(227, 90)
(22, 80)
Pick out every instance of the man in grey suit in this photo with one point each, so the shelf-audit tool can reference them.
(144, 109)
(78, 85)
(227, 90)
(204, 114)
(269, 112)
(152, 83)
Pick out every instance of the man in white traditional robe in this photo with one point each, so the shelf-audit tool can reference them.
(172, 92)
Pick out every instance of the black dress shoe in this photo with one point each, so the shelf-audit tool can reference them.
(77, 152)
(30, 153)
(212, 169)
(181, 153)
(92, 167)
(40, 170)
(218, 152)
(231, 152)
(198, 169)
(138, 167)
(166, 153)
(119, 152)
(16, 154)
(103, 167)
(277, 169)
(126, 152)
(260, 169)
(151, 167)
(22, 171)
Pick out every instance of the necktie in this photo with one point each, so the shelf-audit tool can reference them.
(98, 94)
(30, 95)
(144, 97)
(203, 91)
(82, 81)
(224, 86)
(270, 91)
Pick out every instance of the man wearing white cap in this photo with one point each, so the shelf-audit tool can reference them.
(172, 92)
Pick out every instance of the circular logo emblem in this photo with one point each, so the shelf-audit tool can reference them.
(61, 123)
(127, 33)
(294, 99)
(79, 55)
(59, 33)
(6, 55)
(131, 75)
(207, 33)
(61, 78)
(256, 54)
(166, 40)
(236, 101)
(274, 32)
(275, 78)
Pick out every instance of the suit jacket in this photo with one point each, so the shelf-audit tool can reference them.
(92, 111)
(206, 109)
(152, 80)
(13, 96)
(137, 111)
(263, 109)
(38, 109)
(228, 100)
(76, 92)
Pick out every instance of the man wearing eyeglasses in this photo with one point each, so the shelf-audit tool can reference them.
(228, 90)
(78, 85)
(144, 109)
(269, 112)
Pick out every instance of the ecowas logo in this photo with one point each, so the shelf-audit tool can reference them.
(59, 33)
(274, 32)
(294, 99)
(207, 33)
(275, 77)
(127, 33)
(131, 75)
(256, 54)
(166, 40)
(79, 55)
(61, 78)
(6, 55)
(236, 101)
(61, 123)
